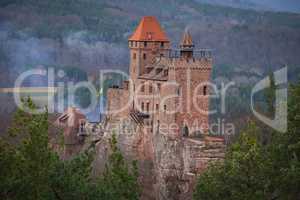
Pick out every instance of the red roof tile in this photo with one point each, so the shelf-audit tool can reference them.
(149, 29)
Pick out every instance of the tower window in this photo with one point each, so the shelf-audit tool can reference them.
(166, 72)
(144, 56)
(142, 106)
(162, 44)
(205, 90)
(143, 87)
(131, 43)
(150, 88)
(145, 44)
(158, 86)
(134, 56)
(178, 91)
(135, 43)
(82, 124)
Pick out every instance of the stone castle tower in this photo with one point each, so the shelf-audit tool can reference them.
(168, 86)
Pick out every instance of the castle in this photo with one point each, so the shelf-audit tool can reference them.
(167, 86)
(167, 98)
(159, 115)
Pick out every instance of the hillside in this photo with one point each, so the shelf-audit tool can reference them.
(92, 35)
(271, 5)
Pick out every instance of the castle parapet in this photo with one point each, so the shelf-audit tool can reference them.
(197, 54)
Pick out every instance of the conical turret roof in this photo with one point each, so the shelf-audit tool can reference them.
(149, 29)
(186, 40)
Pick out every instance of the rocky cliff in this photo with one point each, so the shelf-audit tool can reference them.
(168, 166)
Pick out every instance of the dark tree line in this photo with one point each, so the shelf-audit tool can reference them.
(29, 169)
(255, 169)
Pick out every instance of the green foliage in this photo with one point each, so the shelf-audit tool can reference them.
(270, 95)
(118, 181)
(253, 170)
(29, 169)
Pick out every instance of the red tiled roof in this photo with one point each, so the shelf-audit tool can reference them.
(149, 29)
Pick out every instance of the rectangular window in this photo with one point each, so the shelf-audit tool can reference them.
(166, 72)
(142, 106)
(143, 86)
(148, 106)
(150, 88)
(134, 56)
(135, 43)
(204, 90)
(157, 107)
(165, 107)
(178, 91)
(144, 56)
(145, 44)
(158, 86)
(162, 44)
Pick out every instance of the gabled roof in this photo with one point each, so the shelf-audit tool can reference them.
(149, 29)
(70, 118)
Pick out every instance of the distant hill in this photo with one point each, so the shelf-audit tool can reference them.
(92, 35)
(271, 5)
